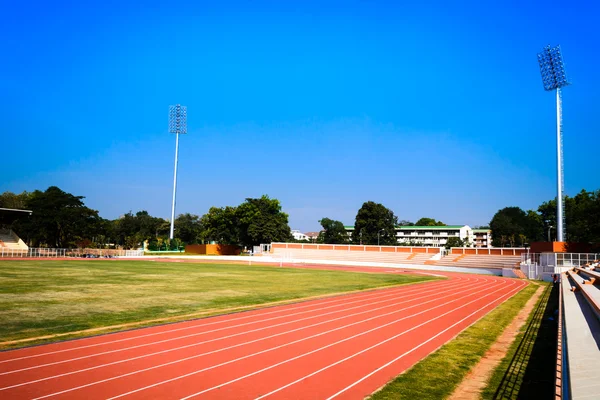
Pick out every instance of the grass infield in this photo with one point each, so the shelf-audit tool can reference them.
(41, 298)
(439, 374)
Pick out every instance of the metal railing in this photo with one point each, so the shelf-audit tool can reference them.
(535, 265)
(67, 253)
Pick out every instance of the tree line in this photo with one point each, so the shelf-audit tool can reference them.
(515, 227)
(62, 220)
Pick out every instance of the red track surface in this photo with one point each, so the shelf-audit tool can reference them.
(340, 347)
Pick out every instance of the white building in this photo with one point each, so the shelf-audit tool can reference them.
(299, 235)
(437, 236)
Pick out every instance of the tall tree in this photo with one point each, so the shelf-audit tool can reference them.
(429, 222)
(262, 221)
(333, 232)
(16, 201)
(509, 223)
(220, 225)
(188, 228)
(375, 222)
(59, 219)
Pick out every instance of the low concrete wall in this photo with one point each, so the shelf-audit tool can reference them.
(286, 261)
(357, 247)
(490, 251)
(213, 249)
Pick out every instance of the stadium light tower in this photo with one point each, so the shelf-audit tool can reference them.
(554, 77)
(177, 125)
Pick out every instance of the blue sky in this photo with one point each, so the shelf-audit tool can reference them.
(433, 109)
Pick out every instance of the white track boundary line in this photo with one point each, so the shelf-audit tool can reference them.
(363, 297)
(383, 342)
(225, 363)
(290, 343)
(192, 335)
(238, 334)
(324, 347)
(512, 293)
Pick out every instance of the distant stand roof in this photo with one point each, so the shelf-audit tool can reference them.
(9, 215)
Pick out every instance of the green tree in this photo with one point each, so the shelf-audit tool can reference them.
(220, 225)
(429, 222)
(262, 221)
(15, 201)
(59, 219)
(188, 228)
(454, 242)
(508, 223)
(333, 232)
(374, 221)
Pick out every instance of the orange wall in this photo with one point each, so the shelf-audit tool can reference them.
(213, 249)
(560, 247)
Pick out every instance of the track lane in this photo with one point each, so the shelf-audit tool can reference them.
(78, 345)
(248, 342)
(405, 296)
(308, 354)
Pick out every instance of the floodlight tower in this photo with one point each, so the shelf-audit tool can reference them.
(177, 125)
(554, 77)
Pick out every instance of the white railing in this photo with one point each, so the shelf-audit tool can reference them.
(67, 253)
(536, 265)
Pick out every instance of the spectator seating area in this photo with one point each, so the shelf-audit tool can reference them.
(10, 242)
(359, 256)
(469, 261)
(478, 261)
(581, 320)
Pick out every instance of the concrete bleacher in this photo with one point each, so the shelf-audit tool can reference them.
(10, 242)
(581, 318)
(418, 258)
(360, 256)
(478, 261)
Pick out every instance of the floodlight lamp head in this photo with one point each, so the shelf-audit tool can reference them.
(552, 68)
(178, 119)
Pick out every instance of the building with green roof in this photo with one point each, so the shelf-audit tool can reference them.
(437, 236)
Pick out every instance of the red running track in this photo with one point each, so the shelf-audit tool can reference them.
(341, 347)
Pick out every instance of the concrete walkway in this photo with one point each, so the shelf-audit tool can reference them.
(583, 344)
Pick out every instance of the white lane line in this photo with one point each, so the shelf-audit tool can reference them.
(381, 343)
(240, 334)
(231, 361)
(294, 342)
(510, 294)
(188, 336)
(314, 351)
(338, 299)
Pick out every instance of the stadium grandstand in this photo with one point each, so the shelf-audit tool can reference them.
(488, 260)
(9, 241)
(579, 330)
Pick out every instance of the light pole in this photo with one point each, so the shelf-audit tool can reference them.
(360, 234)
(177, 125)
(554, 77)
(549, 227)
(381, 230)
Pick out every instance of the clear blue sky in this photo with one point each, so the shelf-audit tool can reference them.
(433, 109)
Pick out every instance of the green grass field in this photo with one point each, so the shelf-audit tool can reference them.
(39, 298)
